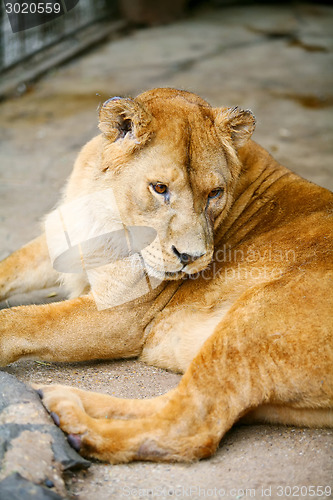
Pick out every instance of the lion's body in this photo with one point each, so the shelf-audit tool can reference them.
(245, 310)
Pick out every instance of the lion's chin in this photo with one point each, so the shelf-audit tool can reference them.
(163, 274)
(174, 276)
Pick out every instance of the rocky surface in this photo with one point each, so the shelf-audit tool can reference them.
(34, 453)
(275, 60)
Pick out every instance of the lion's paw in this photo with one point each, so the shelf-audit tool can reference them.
(67, 412)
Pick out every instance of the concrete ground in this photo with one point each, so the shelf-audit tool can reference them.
(275, 60)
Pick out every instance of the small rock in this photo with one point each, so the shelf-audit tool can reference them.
(30, 444)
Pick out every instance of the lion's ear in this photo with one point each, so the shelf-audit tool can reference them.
(239, 123)
(123, 118)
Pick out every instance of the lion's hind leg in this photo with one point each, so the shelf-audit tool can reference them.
(161, 436)
(211, 396)
(287, 415)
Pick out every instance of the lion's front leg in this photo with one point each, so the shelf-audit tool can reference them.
(27, 269)
(73, 330)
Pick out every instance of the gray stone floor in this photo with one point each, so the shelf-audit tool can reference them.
(274, 60)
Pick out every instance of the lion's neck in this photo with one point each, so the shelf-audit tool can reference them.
(261, 177)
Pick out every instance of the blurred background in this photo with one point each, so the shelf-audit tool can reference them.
(39, 44)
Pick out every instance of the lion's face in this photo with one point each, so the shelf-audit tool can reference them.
(158, 189)
(172, 163)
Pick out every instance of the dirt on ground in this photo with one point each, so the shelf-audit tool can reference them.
(274, 60)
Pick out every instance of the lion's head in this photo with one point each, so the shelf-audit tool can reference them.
(171, 160)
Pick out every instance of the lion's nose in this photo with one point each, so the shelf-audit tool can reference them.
(186, 258)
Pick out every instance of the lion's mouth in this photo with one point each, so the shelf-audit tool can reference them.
(171, 275)
(158, 271)
(162, 274)
(174, 275)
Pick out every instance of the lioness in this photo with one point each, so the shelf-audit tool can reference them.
(244, 302)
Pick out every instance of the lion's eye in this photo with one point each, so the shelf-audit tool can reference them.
(215, 193)
(160, 188)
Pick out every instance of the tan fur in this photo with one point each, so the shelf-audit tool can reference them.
(252, 330)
